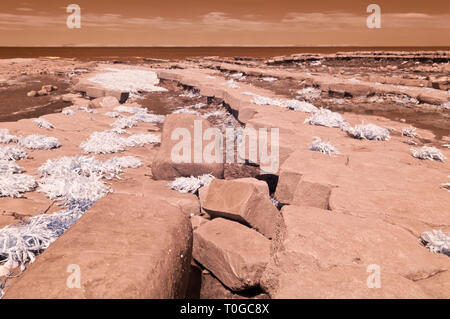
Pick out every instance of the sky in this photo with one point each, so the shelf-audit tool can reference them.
(225, 23)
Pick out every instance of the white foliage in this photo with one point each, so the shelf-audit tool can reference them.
(185, 111)
(109, 142)
(325, 117)
(231, 84)
(300, 106)
(322, 147)
(190, 94)
(437, 241)
(190, 184)
(9, 167)
(6, 137)
(11, 185)
(124, 122)
(197, 106)
(43, 123)
(39, 142)
(141, 139)
(130, 109)
(148, 118)
(128, 80)
(428, 152)
(12, 153)
(410, 132)
(103, 143)
(368, 132)
(86, 109)
(68, 112)
(113, 114)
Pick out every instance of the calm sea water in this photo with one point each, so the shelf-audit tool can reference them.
(131, 53)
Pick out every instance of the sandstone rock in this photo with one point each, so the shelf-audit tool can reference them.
(125, 247)
(42, 92)
(318, 255)
(32, 94)
(235, 254)
(246, 201)
(202, 193)
(69, 97)
(48, 88)
(432, 97)
(107, 102)
(164, 167)
(197, 221)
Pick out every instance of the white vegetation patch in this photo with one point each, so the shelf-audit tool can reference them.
(12, 185)
(238, 75)
(6, 137)
(134, 81)
(21, 243)
(113, 115)
(141, 139)
(428, 153)
(148, 118)
(130, 109)
(410, 132)
(368, 132)
(437, 241)
(109, 142)
(216, 113)
(87, 110)
(325, 117)
(309, 93)
(9, 167)
(124, 122)
(12, 153)
(43, 123)
(76, 181)
(190, 94)
(295, 105)
(103, 143)
(190, 184)
(39, 142)
(197, 106)
(68, 112)
(185, 111)
(269, 79)
(322, 147)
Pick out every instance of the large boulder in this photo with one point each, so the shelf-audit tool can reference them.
(323, 254)
(125, 246)
(235, 254)
(245, 200)
(166, 167)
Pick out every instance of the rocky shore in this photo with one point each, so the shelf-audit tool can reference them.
(360, 188)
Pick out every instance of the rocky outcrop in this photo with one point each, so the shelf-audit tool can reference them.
(235, 254)
(244, 200)
(165, 167)
(125, 246)
(317, 254)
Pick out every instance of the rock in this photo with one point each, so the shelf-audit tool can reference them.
(202, 193)
(235, 254)
(246, 201)
(42, 92)
(106, 101)
(317, 255)
(433, 97)
(197, 221)
(164, 167)
(125, 246)
(47, 88)
(69, 97)
(211, 288)
(32, 94)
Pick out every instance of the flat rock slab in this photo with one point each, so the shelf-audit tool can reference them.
(323, 254)
(245, 200)
(125, 247)
(235, 254)
(166, 167)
